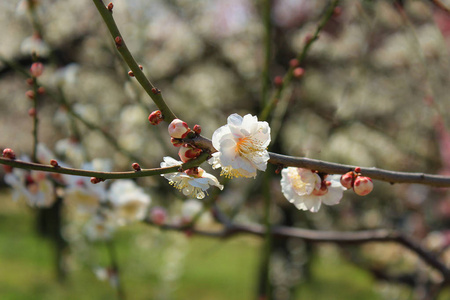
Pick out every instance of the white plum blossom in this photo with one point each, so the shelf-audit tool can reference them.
(34, 44)
(194, 185)
(306, 190)
(242, 146)
(129, 201)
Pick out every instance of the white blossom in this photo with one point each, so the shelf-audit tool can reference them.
(306, 190)
(129, 201)
(242, 146)
(189, 185)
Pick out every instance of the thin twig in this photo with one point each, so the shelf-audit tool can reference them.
(153, 92)
(102, 175)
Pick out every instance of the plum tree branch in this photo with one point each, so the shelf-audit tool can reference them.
(153, 92)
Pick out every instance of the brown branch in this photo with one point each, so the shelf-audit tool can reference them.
(441, 6)
(335, 168)
(102, 175)
(340, 238)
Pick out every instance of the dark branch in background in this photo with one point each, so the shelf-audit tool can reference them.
(441, 6)
(337, 237)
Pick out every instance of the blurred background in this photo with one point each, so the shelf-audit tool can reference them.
(374, 93)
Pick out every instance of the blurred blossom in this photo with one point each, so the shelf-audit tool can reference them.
(290, 13)
(71, 150)
(129, 201)
(190, 209)
(34, 44)
(99, 228)
(66, 75)
(83, 195)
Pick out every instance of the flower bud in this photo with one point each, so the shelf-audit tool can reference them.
(41, 90)
(358, 170)
(9, 153)
(363, 185)
(347, 180)
(130, 73)
(95, 180)
(188, 153)
(29, 94)
(136, 167)
(278, 81)
(158, 215)
(54, 163)
(7, 169)
(155, 117)
(110, 6)
(178, 129)
(298, 72)
(197, 129)
(294, 63)
(36, 69)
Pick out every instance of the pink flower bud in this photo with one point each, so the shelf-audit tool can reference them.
(29, 94)
(363, 185)
(178, 129)
(347, 180)
(36, 69)
(298, 72)
(110, 6)
(158, 215)
(9, 153)
(155, 117)
(54, 163)
(130, 73)
(358, 170)
(95, 180)
(197, 129)
(188, 153)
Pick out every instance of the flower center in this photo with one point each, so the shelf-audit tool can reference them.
(248, 147)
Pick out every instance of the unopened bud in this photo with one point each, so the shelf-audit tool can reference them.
(176, 142)
(178, 129)
(110, 6)
(41, 90)
(156, 91)
(136, 167)
(9, 153)
(118, 40)
(155, 117)
(32, 112)
(358, 170)
(29, 94)
(54, 163)
(363, 185)
(158, 215)
(36, 69)
(29, 81)
(7, 169)
(294, 63)
(347, 180)
(141, 67)
(278, 81)
(130, 73)
(95, 180)
(197, 129)
(298, 72)
(337, 11)
(188, 153)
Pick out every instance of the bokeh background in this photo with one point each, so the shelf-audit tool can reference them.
(374, 93)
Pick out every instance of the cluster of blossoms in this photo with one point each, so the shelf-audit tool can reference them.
(241, 147)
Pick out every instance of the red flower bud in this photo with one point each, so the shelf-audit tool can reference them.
(118, 40)
(278, 81)
(32, 112)
(95, 180)
(188, 153)
(363, 185)
(41, 90)
(294, 63)
(54, 163)
(358, 170)
(197, 129)
(110, 6)
(29, 94)
(176, 142)
(158, 215)
(136, 167)
(130, 73)
(155, 117)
